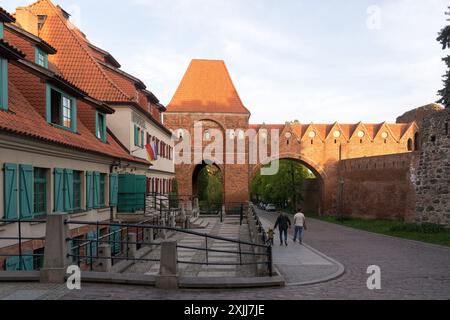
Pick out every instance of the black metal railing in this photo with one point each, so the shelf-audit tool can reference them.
(163, 204)
(259, 225)
(17, 246)
(79, 248)
(265, 250)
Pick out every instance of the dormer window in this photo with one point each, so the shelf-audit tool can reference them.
(3, 84)
(61, 109)
(41, 21)
(41, 58)
(100, 126)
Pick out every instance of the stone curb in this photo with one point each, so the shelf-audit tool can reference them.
(333, 276)
(231, 283)
(19, 276)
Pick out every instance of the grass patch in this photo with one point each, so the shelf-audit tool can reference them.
(427, 232)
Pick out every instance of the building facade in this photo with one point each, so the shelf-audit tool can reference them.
(56, 153)
(137, 120)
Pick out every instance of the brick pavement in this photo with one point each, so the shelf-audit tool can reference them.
(410, 270)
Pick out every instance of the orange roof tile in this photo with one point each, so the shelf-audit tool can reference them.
(207, 87)
(348, 129)
(74, 58)
(84, 63)
(399, 129)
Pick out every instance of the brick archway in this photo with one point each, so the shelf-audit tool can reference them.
(197, 170)
(316, 169)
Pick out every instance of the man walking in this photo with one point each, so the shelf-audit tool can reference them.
(300, 225)
(283, 223)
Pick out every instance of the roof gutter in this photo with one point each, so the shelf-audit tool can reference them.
(139, 109)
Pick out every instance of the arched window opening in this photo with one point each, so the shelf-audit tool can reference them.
(410, 145)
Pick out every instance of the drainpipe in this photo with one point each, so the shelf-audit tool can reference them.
(116, 163)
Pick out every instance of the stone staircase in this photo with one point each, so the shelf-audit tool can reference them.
(198, 223)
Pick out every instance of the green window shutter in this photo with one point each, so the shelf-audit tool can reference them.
(27, 261)
(68, 190)
(142, 138)
(115, 238)
(10, 190)
(100, 126)
(26, 191)
(3, 84)
(91, 246)
(1, 30)
(96, 189)
(59, 190)
(97, 120)
(12, 264)
(113, 189)
(141, 184)
(89, 190)
(104, 128)
(136, 137)
(74, 114)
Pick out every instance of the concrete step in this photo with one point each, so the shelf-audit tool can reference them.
(197, 223)
(204, 224)
(230, 282)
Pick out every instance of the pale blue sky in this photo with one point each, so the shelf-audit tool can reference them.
(320, 61)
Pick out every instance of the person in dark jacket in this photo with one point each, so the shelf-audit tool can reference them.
(283, 223)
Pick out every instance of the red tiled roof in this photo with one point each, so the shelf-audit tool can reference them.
(74, 58)
(6, 16)
(82, 62)
(207, 87)
(10, 51)
(24, 120)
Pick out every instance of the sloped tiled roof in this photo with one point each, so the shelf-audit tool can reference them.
(90, 67)
(10, 51)
(324, 130)
(74, 57)
(5, 16)
(207, 87)
(23, 119)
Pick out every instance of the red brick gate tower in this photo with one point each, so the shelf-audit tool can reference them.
(207, 95)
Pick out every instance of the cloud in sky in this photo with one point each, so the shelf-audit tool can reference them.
(306, 60)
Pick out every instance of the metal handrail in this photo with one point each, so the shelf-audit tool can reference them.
(20, 238)
(142, 225)
(146, 226)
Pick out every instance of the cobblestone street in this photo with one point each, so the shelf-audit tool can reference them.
(410, 270)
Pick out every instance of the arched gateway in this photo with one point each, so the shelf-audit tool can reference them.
(206, 103)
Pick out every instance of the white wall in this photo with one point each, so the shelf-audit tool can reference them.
(122, 125)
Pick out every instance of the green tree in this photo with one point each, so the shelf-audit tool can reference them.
(173, 196)
(284, 188)
(210, 185)
(444, 39)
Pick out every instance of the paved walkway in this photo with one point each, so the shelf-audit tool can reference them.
(410, 270)
(300, 264)
(229, 229)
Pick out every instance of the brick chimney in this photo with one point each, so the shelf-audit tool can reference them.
(27, 20)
